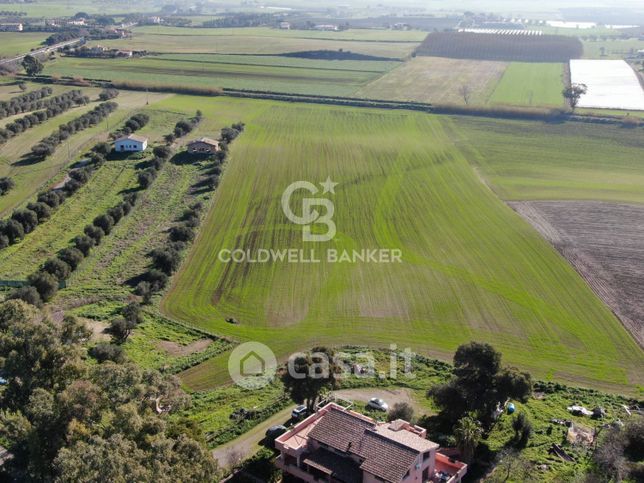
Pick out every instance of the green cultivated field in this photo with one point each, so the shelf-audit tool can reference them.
(381, 43)
(530, 84)
(613, 49)
(536, 161)
(472, 269)
(247, 72)
(13, 43)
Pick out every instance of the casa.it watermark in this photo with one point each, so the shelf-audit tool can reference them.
(253, 365)
(315, 216)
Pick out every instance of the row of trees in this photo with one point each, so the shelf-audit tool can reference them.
(166, 260)
(44, 284)
(6, 185)
(65, 419)
(108, 93)
(133, 124)
(183, 127)
(29, 101)
(24, 221)
(47, 146)
(57, 105)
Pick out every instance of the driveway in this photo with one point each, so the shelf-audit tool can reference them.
(247, 444)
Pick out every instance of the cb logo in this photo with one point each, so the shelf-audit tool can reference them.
(309, 214)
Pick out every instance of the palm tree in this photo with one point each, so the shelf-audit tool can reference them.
(468, 433)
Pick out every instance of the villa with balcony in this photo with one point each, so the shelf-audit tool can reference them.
(337, 445)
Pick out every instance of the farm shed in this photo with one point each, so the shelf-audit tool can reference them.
(131, 143)
(203, 146)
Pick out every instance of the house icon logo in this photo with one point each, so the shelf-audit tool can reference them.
(252, 365)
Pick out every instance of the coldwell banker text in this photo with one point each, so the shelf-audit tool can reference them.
(298, 255)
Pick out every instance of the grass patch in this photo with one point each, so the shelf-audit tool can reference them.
(530, 84)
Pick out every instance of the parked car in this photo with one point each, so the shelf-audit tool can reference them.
(273, 433)
(300, 412)
(378, 404)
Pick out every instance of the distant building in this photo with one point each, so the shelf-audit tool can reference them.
(640, 53)
(326, 27)
(154, 20)
(132, 143)
(11, 27)
(203, 146)
(339, 445)
(285, 25)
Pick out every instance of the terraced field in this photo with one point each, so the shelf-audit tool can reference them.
(472, 268)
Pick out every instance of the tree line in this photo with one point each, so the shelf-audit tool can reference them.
(24, 221)
(47, 146)
(133, 124)
(166, 260)
(29, 101)
(56, 106)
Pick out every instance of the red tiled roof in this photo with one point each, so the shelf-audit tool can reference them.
(340, 430)
(385, 458)
(340, 468)
(381, 456)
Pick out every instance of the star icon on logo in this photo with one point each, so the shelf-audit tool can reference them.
(329, 186)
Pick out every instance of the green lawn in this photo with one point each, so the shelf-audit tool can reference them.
(530, 84)
(612, 49)
(472, 269)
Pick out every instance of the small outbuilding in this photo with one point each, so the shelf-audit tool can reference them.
(203, 146)
(131, 143)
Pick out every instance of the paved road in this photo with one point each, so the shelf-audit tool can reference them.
(42, 50)
(247, 444)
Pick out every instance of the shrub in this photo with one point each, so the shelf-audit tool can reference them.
(157, 279)
(84, 244)
(107, 94)
(102, 148)
(72, 256)
(45, 283)
(522, 430)
(146, 177)
(104, 222)
(132, 313)
(27, 218)
(401, 410)
(72, 186)
(12, 230)
(4, 241)
(52, 198)
(6, 184)
(163, 152)
(144, 289)
(58, 268)
(95, 233)
(107, 352)
(166, 260)
(181, 233)
(42, 210)
(27, 294)
(120, 329)
(116, 213)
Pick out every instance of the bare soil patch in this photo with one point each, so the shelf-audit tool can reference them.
(438, 80)
(177, 350)
(605, 244)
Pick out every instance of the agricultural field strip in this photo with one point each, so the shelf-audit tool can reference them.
(388, 305)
